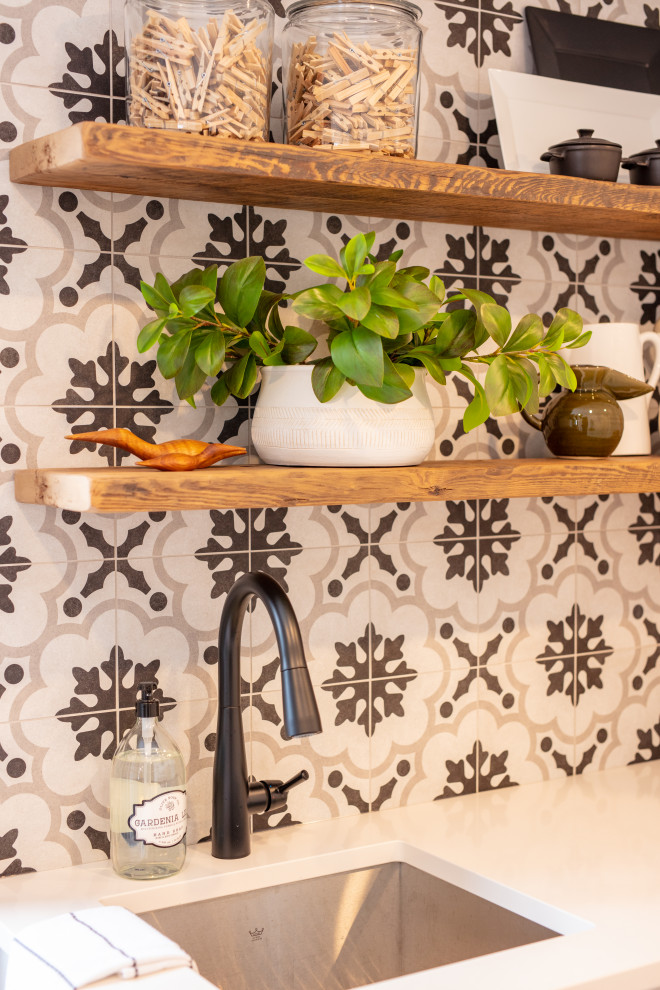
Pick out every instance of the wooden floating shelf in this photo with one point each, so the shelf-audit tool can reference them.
(115, 158)
(131, 489)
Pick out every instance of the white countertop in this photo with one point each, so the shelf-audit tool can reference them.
(587, 846)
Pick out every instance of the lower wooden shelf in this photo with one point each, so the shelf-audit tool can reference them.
(134, 489)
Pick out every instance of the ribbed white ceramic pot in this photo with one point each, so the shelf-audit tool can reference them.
(290, 425)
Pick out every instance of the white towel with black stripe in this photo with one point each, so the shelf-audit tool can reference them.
(83, 948)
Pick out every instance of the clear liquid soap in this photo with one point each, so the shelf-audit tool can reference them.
(147, 797)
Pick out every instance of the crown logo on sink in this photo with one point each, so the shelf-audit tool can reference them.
(255, 934)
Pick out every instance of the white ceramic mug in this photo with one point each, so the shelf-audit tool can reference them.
(621, 346)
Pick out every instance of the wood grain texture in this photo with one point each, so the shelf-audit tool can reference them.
(114, 158)
(230, 487)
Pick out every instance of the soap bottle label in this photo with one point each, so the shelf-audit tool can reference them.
(160, 821)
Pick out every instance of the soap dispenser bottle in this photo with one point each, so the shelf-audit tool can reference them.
(147, 797)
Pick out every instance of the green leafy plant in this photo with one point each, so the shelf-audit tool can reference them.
(382, 321)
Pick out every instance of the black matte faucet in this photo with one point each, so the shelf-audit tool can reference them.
(234, 797)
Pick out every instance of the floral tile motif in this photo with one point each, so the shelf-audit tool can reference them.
(33, 844)
(436, 715)
(52, 42)
(163, 649)
(62, 776)
(629, 732)
(533, 602)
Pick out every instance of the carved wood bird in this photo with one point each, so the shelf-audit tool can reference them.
(173, 455)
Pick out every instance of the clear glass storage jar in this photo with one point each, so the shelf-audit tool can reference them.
(200, 65)
(351, 73)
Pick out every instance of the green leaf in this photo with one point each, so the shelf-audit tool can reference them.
(583, 339)
(386, 296)
(354, 255)
(565, 328)
(173, 352)
(298, 344)
(406, 372)
(529, 390)
(275, 323)
(547, 379)
(178, 324)
(382, 321)
(528, 333)
(355, 304)
(476, 297)
(326, 379)
(323, 302)
(497, 322)
(562, 372)
(210, 354)
(395, 255)
(437, 286)
(358, 353)
(259, 344)
(149, 334)
(477, 411)
(162, 286)
(208, 277)
(500, 390)
(394, 388)
(242, 376)
(424, 308)
(450, 364)
(190, 378)
(240, 288)
(220, 391)
(571, 324)
(268, 302)
(323, 264)
(153, 298)
(520, 382)
(432, 365)
(193, 298)
(369, 240)
(457, 333)
(275, 356)
(416, 272)
(384, 272)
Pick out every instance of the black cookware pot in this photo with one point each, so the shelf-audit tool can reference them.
(585, 157)
(644, 167)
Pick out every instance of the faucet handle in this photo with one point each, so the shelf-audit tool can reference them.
(271, 795)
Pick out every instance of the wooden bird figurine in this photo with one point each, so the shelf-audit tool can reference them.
(180, 455)
(181, 461)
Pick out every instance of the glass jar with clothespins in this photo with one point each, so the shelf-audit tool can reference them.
(351, 72)
(202, 66)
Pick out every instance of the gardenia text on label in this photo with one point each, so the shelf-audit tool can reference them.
(160, 821)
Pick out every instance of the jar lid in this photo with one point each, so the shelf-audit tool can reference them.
(585, 139)
(649, 153)
(403, 6)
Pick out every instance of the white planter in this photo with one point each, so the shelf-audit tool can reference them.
(290, 425)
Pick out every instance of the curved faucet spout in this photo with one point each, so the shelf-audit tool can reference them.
(234, 798)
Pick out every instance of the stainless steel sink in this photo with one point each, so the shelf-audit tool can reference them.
(340, 931)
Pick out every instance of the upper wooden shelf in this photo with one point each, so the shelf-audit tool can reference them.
(134, 489)
(115, 158)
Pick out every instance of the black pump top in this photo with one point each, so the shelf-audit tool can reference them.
(147, 705)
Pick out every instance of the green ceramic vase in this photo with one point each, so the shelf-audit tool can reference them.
(587, 422)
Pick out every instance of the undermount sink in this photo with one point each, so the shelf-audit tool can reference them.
(345, 929)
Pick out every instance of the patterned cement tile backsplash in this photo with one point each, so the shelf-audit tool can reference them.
(455, 647)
